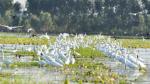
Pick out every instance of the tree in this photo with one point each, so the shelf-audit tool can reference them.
(142, 27)
(17, 14)
(46, 22)
(4, 6)
(79, 16)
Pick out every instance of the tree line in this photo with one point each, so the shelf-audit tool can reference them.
(115, 17)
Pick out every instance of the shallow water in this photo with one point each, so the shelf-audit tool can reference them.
(133, 75)
(53, 76)
(145, 55)
(40, 75)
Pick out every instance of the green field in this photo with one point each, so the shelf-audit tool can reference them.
(135, 43)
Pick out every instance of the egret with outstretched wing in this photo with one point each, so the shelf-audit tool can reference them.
(10, 27)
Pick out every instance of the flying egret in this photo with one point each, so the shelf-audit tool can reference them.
(10, 27)
(133, 14)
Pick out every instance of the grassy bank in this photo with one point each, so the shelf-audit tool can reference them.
(135, 43)
(24, 41)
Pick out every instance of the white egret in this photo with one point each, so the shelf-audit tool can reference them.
(29, 49)
(72, 60)
(42, 63)
(59, 53)
(68, 60)
(45, 36)
(7, 62)
(29, 30)
(133, 14)
(120, 54)
(3, 54)
(10, 27)
(114, 9)
(143, 38)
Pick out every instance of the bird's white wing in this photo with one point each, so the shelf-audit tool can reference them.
(9, 27)
(16, 27)
(3, 26)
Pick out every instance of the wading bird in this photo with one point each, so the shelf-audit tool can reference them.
(45, 36)
(29, 30)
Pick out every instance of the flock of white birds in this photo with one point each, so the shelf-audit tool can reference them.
(61, 52)
(123, 55)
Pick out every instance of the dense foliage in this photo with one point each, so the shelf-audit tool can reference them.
(121, 17)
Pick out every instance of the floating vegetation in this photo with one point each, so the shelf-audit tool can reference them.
(6, 74)
(24, 64)
(26, 53)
